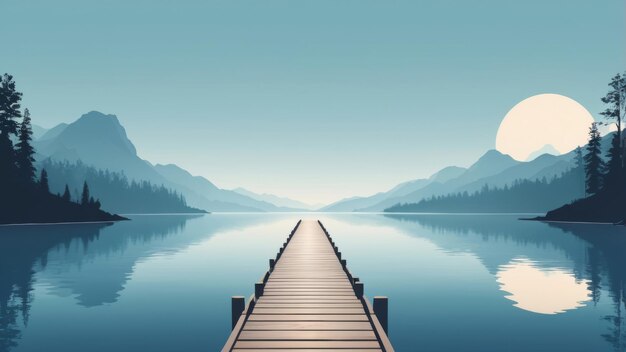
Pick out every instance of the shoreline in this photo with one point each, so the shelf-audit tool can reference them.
(78, 222)
(543, 219)
(119, 217)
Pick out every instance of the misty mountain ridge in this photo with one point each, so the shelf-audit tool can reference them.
(38, 131)
(493, 168)
(99, 140)
(489, 164)
(221, 199)
(96, 139)
(546, 149)
(51, 133)
(545, 165)
(277, 200)
(372, 202)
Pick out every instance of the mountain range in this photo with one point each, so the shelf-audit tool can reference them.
(101, 141)
(278, 201)
(493, 169)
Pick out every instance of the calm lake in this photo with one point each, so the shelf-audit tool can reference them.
(454, 282)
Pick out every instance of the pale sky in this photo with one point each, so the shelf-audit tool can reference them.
(315, 100)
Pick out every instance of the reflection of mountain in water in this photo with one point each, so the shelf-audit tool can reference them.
(598, 252)
(496, 240)
(121, 246)
(91, 262)
(21, 249)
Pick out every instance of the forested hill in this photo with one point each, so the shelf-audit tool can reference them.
(115, 192)
(24, 197)
(523, 196)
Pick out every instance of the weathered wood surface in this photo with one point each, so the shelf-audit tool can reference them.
(308, 304)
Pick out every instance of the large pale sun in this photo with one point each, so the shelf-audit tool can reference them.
(546, 122)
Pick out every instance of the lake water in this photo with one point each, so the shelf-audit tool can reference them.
(454, 282)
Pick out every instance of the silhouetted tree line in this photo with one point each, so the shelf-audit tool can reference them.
(26, 198)
(605, 179)
(523, 196)
(113, 189)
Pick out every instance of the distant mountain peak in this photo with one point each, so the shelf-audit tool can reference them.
(95, 138)
(103, 128)
(493, 156)
(94, 114)
(546, 149)
(493, 153)
(98, 118)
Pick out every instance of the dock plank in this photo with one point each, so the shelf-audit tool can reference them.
(308, 325)
(307, 344)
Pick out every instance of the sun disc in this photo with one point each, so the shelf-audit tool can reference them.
(550, 122)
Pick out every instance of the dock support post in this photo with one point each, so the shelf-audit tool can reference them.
(258, 289)
(381, 309)
(272, 264)
(358, 289)
(238, 304)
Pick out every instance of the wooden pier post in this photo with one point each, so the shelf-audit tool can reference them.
(381, 309)
(358, 289)
(238, 304)
(258, 289)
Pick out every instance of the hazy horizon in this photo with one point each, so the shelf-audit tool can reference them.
(320, 102)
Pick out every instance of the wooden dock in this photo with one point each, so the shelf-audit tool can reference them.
(308, 301)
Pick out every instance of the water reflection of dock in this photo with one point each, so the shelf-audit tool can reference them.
(308, 299)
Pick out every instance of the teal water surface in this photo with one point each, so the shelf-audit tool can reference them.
(455, 282)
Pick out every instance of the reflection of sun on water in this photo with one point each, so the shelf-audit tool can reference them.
(539, 290)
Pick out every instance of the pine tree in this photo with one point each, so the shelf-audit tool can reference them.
(66, 194)
(613, 169)
(84, 200)
(43, 181)
(578, 158)
(25, 151)
(616, 108)
(9, 105)
(579, 168)
(593, 161)
(9, 111)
